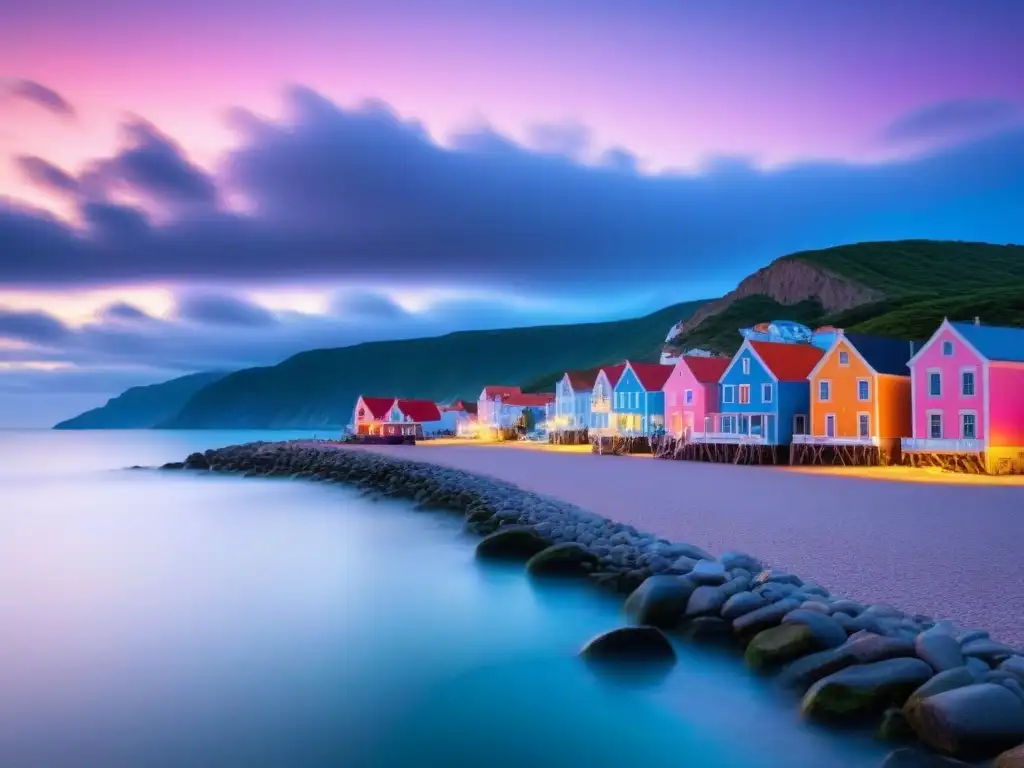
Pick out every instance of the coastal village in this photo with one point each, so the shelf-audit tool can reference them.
(789, 395)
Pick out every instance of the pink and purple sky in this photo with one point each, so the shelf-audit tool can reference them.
(192, 185)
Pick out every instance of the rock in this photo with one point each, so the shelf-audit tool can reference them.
(777, 645)
(173, 465)
(514, 543)
(974, 722)
(1011, 758)
(971, 635)
(749, 624)
(917, 758)
(709, 572)
(682, 565)
(814, 605)
(987, 650)
(562, 559)
(633, 644)
(660, 601)
(939, 649)
(851, 607)
(1014, 686)
(742, 603)
(1014, 665)
(978, 667)
(741, 560)
(677, 549)
(196, 461)
(706, 629)
(944, 681)
(894, 726)
(865, 689)
(773, 576)
(707, 600)
(828, 633)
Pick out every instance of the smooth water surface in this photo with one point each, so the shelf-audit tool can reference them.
(176, 619)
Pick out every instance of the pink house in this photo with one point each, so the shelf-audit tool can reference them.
(691, 393)
(967, 390)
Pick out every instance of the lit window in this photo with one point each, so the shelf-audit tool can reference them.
(744, 394)
(863, 390)
(967, 383)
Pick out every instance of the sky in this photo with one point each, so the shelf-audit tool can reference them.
(208, 186)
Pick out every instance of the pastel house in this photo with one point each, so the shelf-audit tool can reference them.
(860, 393)
(691, 394)
(967, 391)
(573, 395)
(639, 400)
(413, 418)
(764, 395)
(488, 406)
(602, 397)
(370, 413)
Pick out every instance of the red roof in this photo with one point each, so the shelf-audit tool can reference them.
(525, 399)
(378, 406)
(787, 362)
(582, 380)
(652, 376)
(706, 370)
(460, 405)
(501, 391)
(613, 372)
(419, 410)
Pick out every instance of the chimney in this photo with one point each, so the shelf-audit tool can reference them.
(977, 320)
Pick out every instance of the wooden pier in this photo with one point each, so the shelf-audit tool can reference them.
(569, 437)
(719, 452)
(968, 463)
(616, 445)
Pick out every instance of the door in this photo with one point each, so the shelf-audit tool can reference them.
(830, 425)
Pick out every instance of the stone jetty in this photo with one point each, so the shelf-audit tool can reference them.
(959, 693)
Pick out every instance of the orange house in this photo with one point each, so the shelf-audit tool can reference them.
(860, 392)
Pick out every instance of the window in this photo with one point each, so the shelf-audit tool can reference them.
(935, 383)
(844, 358)
(968, 425)
(863, 390)
(728, 391)
(766, 393)
(935, 425)
(824, 390)
(830, 425)
(688, 397)
(744, 394)
(729, 424)
(746, 366)
(947, 348)
(636, 399)
(863, 420)
(756, 425)
(800, 424)
(618, 399)
(967, 383)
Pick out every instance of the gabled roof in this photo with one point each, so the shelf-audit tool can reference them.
(612, 372)
(884, 354)
(652, 376)
(377, 406)
(461, 405)
(706, 370)
(787, 362)
(419, 410)
(583, 380)
(501, 391)
(994, 342)
(529, 399)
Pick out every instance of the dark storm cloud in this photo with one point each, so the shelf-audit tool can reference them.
(34, 327)
(40, 95)
(361, 194)
(952, 119)
(214, 309)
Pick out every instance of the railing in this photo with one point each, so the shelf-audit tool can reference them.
(726, 437)
(935, 444)
(833, 440)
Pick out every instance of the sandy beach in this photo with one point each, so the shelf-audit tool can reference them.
(936, 544)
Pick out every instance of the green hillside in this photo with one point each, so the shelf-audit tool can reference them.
(142, 407)
(317, 389)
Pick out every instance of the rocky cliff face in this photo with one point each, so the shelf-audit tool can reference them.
(789, 281)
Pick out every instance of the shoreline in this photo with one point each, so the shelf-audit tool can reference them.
(857, 659)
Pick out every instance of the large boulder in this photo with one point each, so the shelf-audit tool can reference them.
(909, 757)
(741, 560)
(742, 603)
(562, 559)
(749, 624)
(777, 645)
(942, 682)
(513, 543)
(660, 601)
(707, 600)
(1011, 758)
(1015, 666)
(196, 461)
(865, 689)
(709, 572)
(826, 630)
(894, 726)
(973, 722)
(706, 629)
(988, 650)
(939, 649)
(630, 644)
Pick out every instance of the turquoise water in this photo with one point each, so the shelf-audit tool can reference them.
(167, 619)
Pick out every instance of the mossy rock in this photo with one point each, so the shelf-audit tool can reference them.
(778, 645)
(569, 559)
(865, 689)
(513, 543)
(894, 726)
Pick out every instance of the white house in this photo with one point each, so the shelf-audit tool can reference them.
(573, 395)
(601, 400)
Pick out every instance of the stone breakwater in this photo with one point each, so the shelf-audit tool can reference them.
(954, 693)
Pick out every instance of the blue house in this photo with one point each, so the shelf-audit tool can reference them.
(764, 394)
(639, 402)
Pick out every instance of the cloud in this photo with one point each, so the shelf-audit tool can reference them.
(123, 311)
(361, 195)
(954, 119)
(568, 139)
(36, 327)
(376, 306)
(214, 309)
(40, 95)
(46, 175)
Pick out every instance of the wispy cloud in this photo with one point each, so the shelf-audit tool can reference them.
(955, 119)
(42, 96)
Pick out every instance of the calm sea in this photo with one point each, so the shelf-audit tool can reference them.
(165, 619)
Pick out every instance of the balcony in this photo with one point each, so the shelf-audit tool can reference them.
(935, 445)
(833, 440)
(725, 437)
